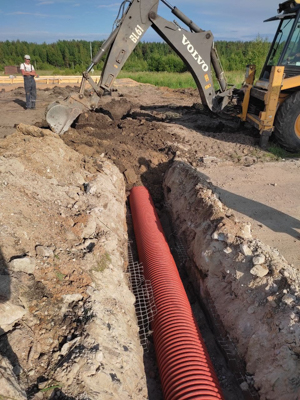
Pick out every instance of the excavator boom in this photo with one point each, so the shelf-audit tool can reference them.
(194, 46)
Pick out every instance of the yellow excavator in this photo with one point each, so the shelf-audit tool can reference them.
(271, 104)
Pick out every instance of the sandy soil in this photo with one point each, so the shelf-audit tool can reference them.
(267, 196)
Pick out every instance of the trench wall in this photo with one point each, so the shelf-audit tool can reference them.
(67, 315)
(255, 292)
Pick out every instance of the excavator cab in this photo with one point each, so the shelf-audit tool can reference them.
(272, 104)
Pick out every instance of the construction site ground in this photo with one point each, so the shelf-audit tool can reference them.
(249, 180)
(140, 131)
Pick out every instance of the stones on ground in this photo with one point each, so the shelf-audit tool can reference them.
(23, 264)
(44, 251)
(172, 115)
(248, 161)
(259, 259)
(288, 299)
(219, 236)
(61, 326)
(72, 298)
(244, 386)
(245, 250)
(251, 309)
(66, 348)
(85, 226)
(130, 176)
(245, 231)
(10, 314)
(223, 234)
(259, 270)
(209, 160)
(10, 387)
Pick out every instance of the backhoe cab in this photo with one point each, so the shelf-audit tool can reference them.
(271, 104)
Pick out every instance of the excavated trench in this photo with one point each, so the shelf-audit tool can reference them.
(69, 291)
(240, 290)
(228, 368)
(247, 291)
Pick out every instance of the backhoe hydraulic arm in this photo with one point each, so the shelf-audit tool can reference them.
(194, 46)
(195, 28)
(133, 26)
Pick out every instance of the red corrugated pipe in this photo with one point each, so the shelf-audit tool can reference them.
(186, 371)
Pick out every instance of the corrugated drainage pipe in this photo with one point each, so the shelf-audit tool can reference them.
(185, 368)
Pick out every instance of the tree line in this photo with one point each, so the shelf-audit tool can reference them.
(76, 55)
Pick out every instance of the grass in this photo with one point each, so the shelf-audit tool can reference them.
(103, 263)
(168, 79)
(279, 153)
(175, 80)
(171, 80)
(235, 78)
(62, 72)
(55, 386)
(60, 276)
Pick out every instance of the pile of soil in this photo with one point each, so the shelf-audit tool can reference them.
(251, 292)
(68, 324)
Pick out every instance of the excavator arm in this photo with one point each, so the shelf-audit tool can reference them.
(195, 47)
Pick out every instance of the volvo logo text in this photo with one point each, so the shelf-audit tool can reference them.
(194, 53)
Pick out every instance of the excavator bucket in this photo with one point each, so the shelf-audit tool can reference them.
(61, 114)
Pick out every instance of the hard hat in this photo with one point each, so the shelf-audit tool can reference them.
(27, 57)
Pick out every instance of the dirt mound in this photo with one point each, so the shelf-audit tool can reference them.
(59, 91)
(139, 148)
(142, 140)
(64, 327)
(244, 283)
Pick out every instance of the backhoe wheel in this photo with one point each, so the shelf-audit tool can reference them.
(287, 123)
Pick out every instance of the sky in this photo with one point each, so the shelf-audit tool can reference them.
(48, 21)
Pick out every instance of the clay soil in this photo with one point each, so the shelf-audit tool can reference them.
(142, 129)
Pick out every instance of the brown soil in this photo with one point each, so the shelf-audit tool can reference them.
(141, 129)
